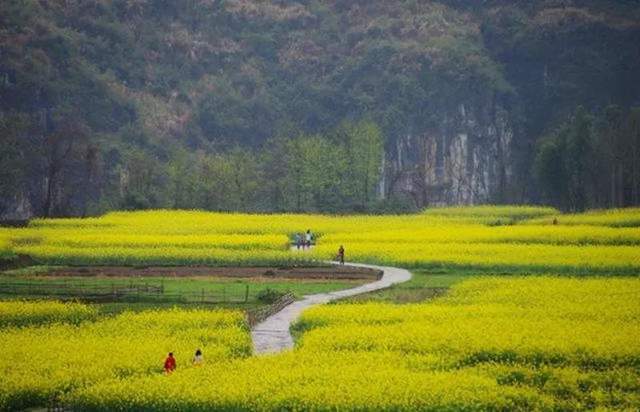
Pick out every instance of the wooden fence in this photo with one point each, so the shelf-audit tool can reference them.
(117, 292)
(255, 316)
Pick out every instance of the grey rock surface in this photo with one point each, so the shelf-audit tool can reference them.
(466, 159)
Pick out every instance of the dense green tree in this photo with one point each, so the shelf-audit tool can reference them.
(612, 151)
(322, 172)
(590, 161)
(170, 104)
(13, 128)
(364, 146)
(144, 181)
(182, 175)
(214, 182)
(549, 170)
(577, 156)
(632, 157)
(276, 172)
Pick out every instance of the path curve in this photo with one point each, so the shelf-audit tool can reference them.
(272, 335)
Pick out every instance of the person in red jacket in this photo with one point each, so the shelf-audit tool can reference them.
(170, 363)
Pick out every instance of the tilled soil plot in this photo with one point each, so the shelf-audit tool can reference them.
(328, 272)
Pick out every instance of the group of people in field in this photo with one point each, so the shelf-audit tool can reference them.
(303, 241)
(170, 363)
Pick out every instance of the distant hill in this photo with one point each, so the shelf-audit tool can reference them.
(109, 104)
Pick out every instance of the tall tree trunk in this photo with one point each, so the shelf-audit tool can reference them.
(366, 189)
(48, 197)
(634, 181)
(620, 186)
(612, 193)
(635, 171)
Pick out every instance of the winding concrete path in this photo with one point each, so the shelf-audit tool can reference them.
(272, 335)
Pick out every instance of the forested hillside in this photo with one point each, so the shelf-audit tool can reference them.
(317, 105)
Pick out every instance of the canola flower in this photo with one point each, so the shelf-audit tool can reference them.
(628, 217)
(40, 363)
(439, 237)
(493, 343)
(543, 319)
(78, 238)
(169, 255)
(22, 313)
(494, 211)
(456, 233)
(532, 257)
(303, 381)
(5, 245)
(222, 241)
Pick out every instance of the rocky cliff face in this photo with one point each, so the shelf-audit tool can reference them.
(16, 207)
(464, 160)
(102, 99)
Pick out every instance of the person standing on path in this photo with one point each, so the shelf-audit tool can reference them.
(308, 238)
(298, 240)
(169, 364)
(341, 255)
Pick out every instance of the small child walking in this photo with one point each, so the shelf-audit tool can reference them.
(169, 364)
(198, 359)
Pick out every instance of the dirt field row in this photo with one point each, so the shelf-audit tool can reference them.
(332, 272)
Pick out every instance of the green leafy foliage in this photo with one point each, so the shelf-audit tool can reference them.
(110, 101)
(591, 161)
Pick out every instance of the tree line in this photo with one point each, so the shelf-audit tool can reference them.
(337, 171)
(333, 172)
(592, 160)
(109, 104)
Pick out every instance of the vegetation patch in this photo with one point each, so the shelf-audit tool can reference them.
(533, 315)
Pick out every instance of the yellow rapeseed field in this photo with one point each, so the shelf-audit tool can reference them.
(493, 343)
(487, 237)
(629, 217)
(39, 363)
(491, 211)
(538, 319)
(533, 257)
(18, 313)
(456, 233)
(546, 340)
(5, 244)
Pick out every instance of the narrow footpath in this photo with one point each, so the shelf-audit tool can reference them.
(272, 335)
